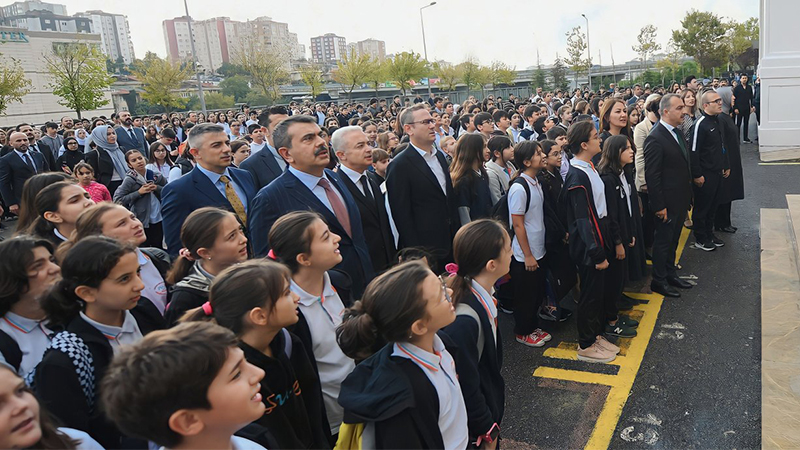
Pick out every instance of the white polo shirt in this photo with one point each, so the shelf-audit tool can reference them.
(533, 219)
(598, 187)
(127, 334)
(323, 315)
(155, 289)
(32, 337)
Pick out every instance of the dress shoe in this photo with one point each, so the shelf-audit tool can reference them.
(664, 289)
(678, 283)
(728, 229)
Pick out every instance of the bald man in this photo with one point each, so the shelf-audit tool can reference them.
(16, 167)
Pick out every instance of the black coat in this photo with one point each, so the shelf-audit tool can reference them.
(621, 222)
(587, 243)
(14, 173)
(69, 159)
(733, 186)
(667, 171)
(263, 167)
(743, 99)
(102, 165)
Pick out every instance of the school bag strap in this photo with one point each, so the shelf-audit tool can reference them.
(287, 343)
(465, 310)
(78, 353)
(9, 348)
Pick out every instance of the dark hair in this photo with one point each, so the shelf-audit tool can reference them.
(497, 144)
(237, 144)
(16, 254)
(82, 165)
(481, 118)
(153, 147)
(524, 151)
(199, 230)
(88, 224)
(577, 134)
(32, 187)
(379, 155)
(253, 127)
(595, 106)
(67, 141)
(547, 145)
(48, 200)
(612, 148)
(415, 253)
(475, 244)
(165, 372)
(529, 110)
(130, 153)
(391, 303)
(555, 132)
(605, 122)
(257, 283)
(51, 125)
(469, 150)
(690, 78)
(290, 236)
(87, 263)
(280, 135)
(464, 120)
(169, 133)
(499, 114)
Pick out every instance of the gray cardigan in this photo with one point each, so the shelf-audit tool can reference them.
(127, 195)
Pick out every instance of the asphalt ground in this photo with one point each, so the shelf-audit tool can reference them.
(690, 379)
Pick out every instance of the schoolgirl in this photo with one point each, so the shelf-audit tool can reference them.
(303, 241)
(213, 241)
(254, 301)
(526, 211)
(590, 248)
(470, 180)
(407, 394)
(85, 175)
(482, 252)
(27, 272)
(58, 207)
(160, 159)
(140, 192)
(499, 167)
(100, 285)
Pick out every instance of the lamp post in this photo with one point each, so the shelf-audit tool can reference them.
(588, 50)
(194, 59)
(424, 45)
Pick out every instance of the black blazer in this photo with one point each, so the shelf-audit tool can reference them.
(262, 167)
(103, 167)
(126, 143)
(424, 216)
(14, 173)
(667, 172)
(375, 221)
(40, 148)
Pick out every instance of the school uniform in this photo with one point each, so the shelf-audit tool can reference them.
(527, 284)
(473, 192)
(499, 178)
(561, 274)
(155, 288)
(189, 293)
(23, 341)
(620, 224)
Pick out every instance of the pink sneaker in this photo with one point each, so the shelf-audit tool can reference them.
(531, 340)
(605, 344)
(542, 334)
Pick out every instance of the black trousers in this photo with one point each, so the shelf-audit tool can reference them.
(743, 118)
(112, 187)
(155, 236)
(706, 201)
(614, 284)
(667, 235)
(648, 221)
(723, 217)
(590, 313)
(528, 295)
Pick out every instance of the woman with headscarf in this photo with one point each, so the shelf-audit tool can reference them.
(107, 159)
(72, 154)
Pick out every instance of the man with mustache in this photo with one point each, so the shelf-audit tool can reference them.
(307, 184)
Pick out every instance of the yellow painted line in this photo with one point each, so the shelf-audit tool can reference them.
(576, 376)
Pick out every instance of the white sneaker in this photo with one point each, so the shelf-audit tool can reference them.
(595, 354)
(607, 345)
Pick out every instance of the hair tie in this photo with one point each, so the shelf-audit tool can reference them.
(271, 255)
(452, 269)
(186, 254)
(207, 308)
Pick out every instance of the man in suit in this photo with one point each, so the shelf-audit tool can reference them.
(130, 137)
(35, 147)
(637, 92)
(669, 185)
(16, 167)
(355, 157)
(743, 106)
(211, 183)
(267, 164)
(308, 185)
(420, 190)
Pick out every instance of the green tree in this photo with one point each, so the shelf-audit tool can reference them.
(161, 80)
(352, 70)
(470, 74)
(215, 100)
(13, 84)
(377, 73)
(228, 70)
(235, 86)
(483, 77)
(670, 65)
(255, 98)
(703, 36)
(559, 74)
(647, 44)
(539, 78)
(404, 68)
(502, 73)
(741, 38)
(267, 70)
(140, 65)
(448, 74)
(576, 48)
(312, 76)
(79, 76)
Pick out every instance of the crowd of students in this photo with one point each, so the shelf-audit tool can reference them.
(312, 276)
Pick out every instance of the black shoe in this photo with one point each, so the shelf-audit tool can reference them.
(505, 309)
(664, 289)
(705, 246)
(622, 305)
(678, 283)
(717, 241)
(631, 300)
(728, 229)
(748, 141)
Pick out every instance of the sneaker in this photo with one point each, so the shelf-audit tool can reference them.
(505, 309)
(531, 340)
(605, 344)
(548, 313)
(626, 321)
(717, 241)
(706, 247)
(596, 354)
(544, 335)
(619, 330)
(564, 315)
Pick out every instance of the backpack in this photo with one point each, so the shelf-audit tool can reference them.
(465, 310)
(500, 209)
(10, 351)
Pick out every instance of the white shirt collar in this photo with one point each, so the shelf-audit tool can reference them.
(25, 324)
(423, 358)
(666, 125)
(487, 298)
(307, 299)
(59, 235)
(213, 176)
(309, 180)
(352, 174)
(423, 153)
(111, 332)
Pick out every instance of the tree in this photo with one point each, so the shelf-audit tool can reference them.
(228, 70)
(312, 76)
(266, 69)
(470, 73)
(215, 100)
(483, 77)
(13, 84)
(539, 78)
(235, 86)
(741, 38)
(576, 48)
(79, 75)
(501, 73)
(255, 98)
(670, 65)
(161, 80)
(404, 68)
(703, 37)
(352, 70)
(141, 65)
(377, 73)
(448, 74)
(647, 43)
(559, 74)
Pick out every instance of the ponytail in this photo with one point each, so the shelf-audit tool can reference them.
(524, 151)
(200, 230)
(475, 244)
(291, 235)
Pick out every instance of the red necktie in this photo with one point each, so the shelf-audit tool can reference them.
(338, 207)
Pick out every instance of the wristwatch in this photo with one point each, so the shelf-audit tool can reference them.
(490, 435)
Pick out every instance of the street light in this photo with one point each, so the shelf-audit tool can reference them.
(588, 50)
(424, 45)
(194, 59)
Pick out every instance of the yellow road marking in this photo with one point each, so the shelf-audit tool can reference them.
(576, 376)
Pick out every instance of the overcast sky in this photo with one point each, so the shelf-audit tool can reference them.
(509, 31)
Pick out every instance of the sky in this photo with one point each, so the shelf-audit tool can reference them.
(507, 31)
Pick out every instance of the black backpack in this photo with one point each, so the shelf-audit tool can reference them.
(500, 209)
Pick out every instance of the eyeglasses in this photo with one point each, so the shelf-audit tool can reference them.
(717, 101)
(426, 121)
(444, 288)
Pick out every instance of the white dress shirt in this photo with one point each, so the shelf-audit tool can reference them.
(433, 162)
(255, 148)
(533, 219)
(312, 183)
(355, 177)
(155, 289)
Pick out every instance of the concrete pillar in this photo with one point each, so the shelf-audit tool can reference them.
(779, 68)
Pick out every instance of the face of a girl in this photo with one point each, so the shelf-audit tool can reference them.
(372, 133)
(380, 167)
(122, 225)
(111, 136)
(593, 144)
(230, 246)
(618, 116)
(441, 312)
(136, 162)
(84, 176)
(241, 154)
(689, 100)
(537, 161)
(450, 147)
(626, 157)
(160, 153)
(554, 158)
(393, 141)
(503, 262)
(486, 153)
(43, 273)
(121, 289)
(324, 246)
(19, 413)
(74, 199)
(285, 312)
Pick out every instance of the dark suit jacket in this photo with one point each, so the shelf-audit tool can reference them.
(102, 165)
(42, 149)
(375, 222)
(287, 193)
(126, 143)
(192, 191)
(669, 180)
(14, 173)
(423, 214)
(262, 167)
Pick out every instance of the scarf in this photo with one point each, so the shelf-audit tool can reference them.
(100, 139)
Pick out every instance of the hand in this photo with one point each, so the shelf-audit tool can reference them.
(147, 188)
(736, 111)
(14, 209)
(489, 445)
(700, 181)
(662, 215)
(726, 173)
(620, 249)
(66, 170)
(531, 264)
(633, 242)
(602, 266)
(752, 109)
(566, 238)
